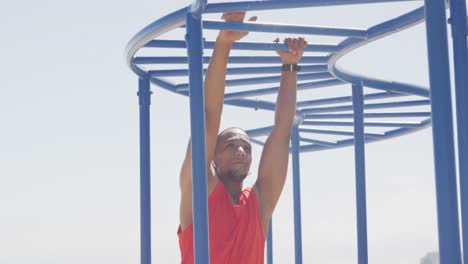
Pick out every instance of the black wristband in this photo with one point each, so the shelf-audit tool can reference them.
(290, 67)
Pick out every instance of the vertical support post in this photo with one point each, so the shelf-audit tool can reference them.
(270, 243)
(197, 125)
(360, 170)
(144, 98)
(296, 194)
(444, 155)
(460, 59)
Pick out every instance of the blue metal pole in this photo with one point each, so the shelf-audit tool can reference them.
(270, 242)
(261, 80)
(289, 29)
(460, 59)
(266, 5)
(242, 70)
(234, 59)
(197, 125)
(366, 106)
(369, 124)
(369, 115)
(318, 142)
(144, 98)
(264, 91)
(296, 194)
(341, 133)
(360, 167)
(174, 44)
(444, 156)
(345, 99)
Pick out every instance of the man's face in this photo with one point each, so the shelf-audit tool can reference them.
(233, 155)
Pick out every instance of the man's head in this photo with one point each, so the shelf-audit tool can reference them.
(233, 155)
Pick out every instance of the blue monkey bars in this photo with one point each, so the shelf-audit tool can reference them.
(414, 106)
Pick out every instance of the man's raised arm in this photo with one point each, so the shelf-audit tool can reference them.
(274, 161)
(214, 96)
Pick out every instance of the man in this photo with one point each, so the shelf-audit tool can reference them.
(238, 218)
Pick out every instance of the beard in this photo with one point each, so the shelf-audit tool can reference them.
(236, 175)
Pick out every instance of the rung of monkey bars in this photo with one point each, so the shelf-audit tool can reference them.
(269, 5)
(236, 59)
(339, 133)
(345, 99)
(272, 90)
(366, 106)
(369, 115)
(269, 79)
(318, 142)
(240, 70)
(282, 28)
(180, 44)
(367, 124)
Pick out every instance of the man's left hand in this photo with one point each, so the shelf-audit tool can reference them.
(295, 50)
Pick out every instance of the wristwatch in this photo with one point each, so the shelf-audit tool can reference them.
(290, 67)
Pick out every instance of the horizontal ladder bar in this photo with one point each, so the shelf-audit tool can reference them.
(262, 131)
(346, 99)
(265, 91)
(240, 70)
(369, 115)
(264, 80)
(253, 104)
(338, 133)
(236, 59)
(269, 5)
(367, 124)
(282, 28)
(366, 106)
(318, 142)
(242, 46)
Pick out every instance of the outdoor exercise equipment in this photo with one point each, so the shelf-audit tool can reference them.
(319, 71)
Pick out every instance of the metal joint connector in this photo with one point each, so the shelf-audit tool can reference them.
(298, 118)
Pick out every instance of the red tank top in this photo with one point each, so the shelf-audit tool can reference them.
(236, 233)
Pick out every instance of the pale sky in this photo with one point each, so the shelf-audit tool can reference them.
(69, 147)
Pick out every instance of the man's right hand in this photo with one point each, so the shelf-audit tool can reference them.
(231, 36)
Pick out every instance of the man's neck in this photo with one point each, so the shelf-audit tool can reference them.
(234, 189)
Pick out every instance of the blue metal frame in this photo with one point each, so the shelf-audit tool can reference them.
(288, 29)
(197, 126)
(360, 167)
(270, 242)
(243, 70)
(296, 194)
(232, 60)
(459, 25)
(144, 95)
(444, 154)
(318, 71)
